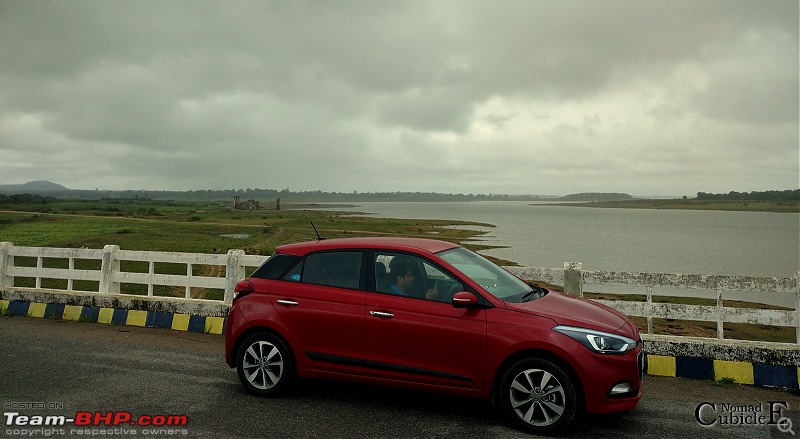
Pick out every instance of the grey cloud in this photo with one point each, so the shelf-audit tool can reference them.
(515, 96)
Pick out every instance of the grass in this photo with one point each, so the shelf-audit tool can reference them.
(725, 381)
(198, 227)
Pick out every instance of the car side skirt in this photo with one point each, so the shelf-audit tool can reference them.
(360, 362)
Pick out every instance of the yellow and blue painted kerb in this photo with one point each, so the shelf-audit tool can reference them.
(741, 372)
(116, 316)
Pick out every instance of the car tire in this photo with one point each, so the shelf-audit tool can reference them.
(538, 396)
(265, 365)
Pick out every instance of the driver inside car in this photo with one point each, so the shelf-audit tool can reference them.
(402, 272)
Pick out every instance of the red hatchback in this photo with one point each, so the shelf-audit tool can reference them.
(433, 316)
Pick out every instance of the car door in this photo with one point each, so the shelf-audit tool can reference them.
(321, 303)
(416, 339)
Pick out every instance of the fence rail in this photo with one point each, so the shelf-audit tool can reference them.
(233, 265)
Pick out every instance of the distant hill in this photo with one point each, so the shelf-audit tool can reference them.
(32, 187)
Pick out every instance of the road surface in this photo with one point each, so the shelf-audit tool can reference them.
(53, 368)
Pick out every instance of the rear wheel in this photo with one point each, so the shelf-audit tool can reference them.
(538, 396)
(265, 365)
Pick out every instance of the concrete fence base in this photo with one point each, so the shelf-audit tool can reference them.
(742, 362)
(118, 309)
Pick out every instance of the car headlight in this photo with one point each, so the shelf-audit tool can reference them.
(598, 341)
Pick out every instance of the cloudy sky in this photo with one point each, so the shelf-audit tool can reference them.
(647, 97)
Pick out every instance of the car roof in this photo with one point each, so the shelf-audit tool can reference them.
(383, 243)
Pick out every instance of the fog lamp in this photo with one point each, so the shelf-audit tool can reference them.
(621, 388)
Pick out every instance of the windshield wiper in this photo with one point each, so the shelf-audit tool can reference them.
(536, 291)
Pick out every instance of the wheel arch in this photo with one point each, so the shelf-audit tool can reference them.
(260, 329)
(545, 355)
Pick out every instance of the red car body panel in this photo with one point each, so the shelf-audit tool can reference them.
(347, 334)
(435, 342)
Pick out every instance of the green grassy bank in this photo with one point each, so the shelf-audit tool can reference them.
(199, 227)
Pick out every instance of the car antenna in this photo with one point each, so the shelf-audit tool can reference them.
(319, 238)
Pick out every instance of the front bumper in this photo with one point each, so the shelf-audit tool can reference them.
(613, 383)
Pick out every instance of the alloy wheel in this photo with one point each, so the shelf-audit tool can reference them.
(262, 365)
(537, 397)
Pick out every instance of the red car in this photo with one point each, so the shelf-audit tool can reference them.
(433, 316)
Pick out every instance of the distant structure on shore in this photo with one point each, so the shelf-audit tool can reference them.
(245, 205)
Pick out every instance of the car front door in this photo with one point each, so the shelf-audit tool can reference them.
(321, 303)
(420, 337)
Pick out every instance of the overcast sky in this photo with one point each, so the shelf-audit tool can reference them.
(520, 97)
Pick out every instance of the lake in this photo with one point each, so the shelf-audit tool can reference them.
(636, 240)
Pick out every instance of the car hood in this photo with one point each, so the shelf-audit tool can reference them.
(574, 311)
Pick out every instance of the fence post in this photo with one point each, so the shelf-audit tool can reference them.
(649, 309)
(573, 278)
(187, 292)
(720, 316)
(797, 305)
(234, 272)
(6, 262)
(109, 266)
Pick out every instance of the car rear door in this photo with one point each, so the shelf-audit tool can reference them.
(321, 303)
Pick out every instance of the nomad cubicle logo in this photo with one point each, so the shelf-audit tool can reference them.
(771, 413)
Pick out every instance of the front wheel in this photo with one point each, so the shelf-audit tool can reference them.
(264, 365)
(538, 396)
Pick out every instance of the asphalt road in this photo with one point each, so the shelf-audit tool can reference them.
(75, 367)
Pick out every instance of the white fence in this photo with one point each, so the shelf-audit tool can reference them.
(575, 279)
(233, 265)
(110, 277)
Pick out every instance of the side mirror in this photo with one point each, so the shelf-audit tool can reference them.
(464, 299)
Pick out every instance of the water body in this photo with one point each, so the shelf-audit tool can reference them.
(636, 240)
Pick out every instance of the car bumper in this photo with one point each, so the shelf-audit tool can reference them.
(613, 383)
(232, 330)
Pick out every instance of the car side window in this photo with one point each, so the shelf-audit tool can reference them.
(412, 276)
(336, 269)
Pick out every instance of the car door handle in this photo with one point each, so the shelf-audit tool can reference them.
(286, 302)
(381, 314)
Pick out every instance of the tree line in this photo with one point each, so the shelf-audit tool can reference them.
(787, 195)
(267, 195)
(598, 196)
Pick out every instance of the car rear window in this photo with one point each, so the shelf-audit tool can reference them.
(335, 268)
(275, 266)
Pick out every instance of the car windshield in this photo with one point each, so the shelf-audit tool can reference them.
(494, 279)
